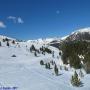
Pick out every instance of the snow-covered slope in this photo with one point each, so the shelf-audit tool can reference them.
(82, 31)
(25, 72)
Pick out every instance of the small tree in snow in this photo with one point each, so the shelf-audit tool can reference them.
(35, 53)
(3, 40)
(59, 53)
(56, 70)
(0, 44)
(52, 62)
(13, 42)
(32, 48)
(8, 44)
(41, 62)
(46, 66)
(75, 81)
(53, 54)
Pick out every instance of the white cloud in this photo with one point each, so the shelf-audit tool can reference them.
(20, 20)
(12, 18)
(2, 25)
(16, 19)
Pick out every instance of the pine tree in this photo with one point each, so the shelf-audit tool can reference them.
(35, 54)
(56, 70)
(3, 40)
(75, 81)
(0, 44)
(52, 62)
(41, 62)
(13, 42)
(43, 53)
(6, 39)
(53, 54)
(59, 53)
(46, 66)
(32, 48)
(7, 43)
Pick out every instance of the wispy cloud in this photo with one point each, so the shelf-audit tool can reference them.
(12, 18)
(2, 25)
(18, 20)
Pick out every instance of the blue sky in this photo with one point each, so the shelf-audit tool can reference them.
(31, 19)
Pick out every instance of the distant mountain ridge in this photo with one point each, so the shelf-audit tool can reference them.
(4, 37)
(44, 41)
(81, 34)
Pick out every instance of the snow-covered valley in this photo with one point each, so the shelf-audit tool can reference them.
(25, 72)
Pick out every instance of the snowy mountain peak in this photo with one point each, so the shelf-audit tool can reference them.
(63, 38)
(43, 41)
(81, 34)
(3, 37)
(82, 30)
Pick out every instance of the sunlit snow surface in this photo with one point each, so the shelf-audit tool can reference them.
(25, 72)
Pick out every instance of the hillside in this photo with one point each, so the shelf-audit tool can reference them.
(81, 34)
(25, 72)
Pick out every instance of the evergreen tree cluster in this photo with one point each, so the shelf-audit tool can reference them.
(45, 50)
(42, 50)
(34, 50)
(49, 65)
(6, 40)
(71, 51)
